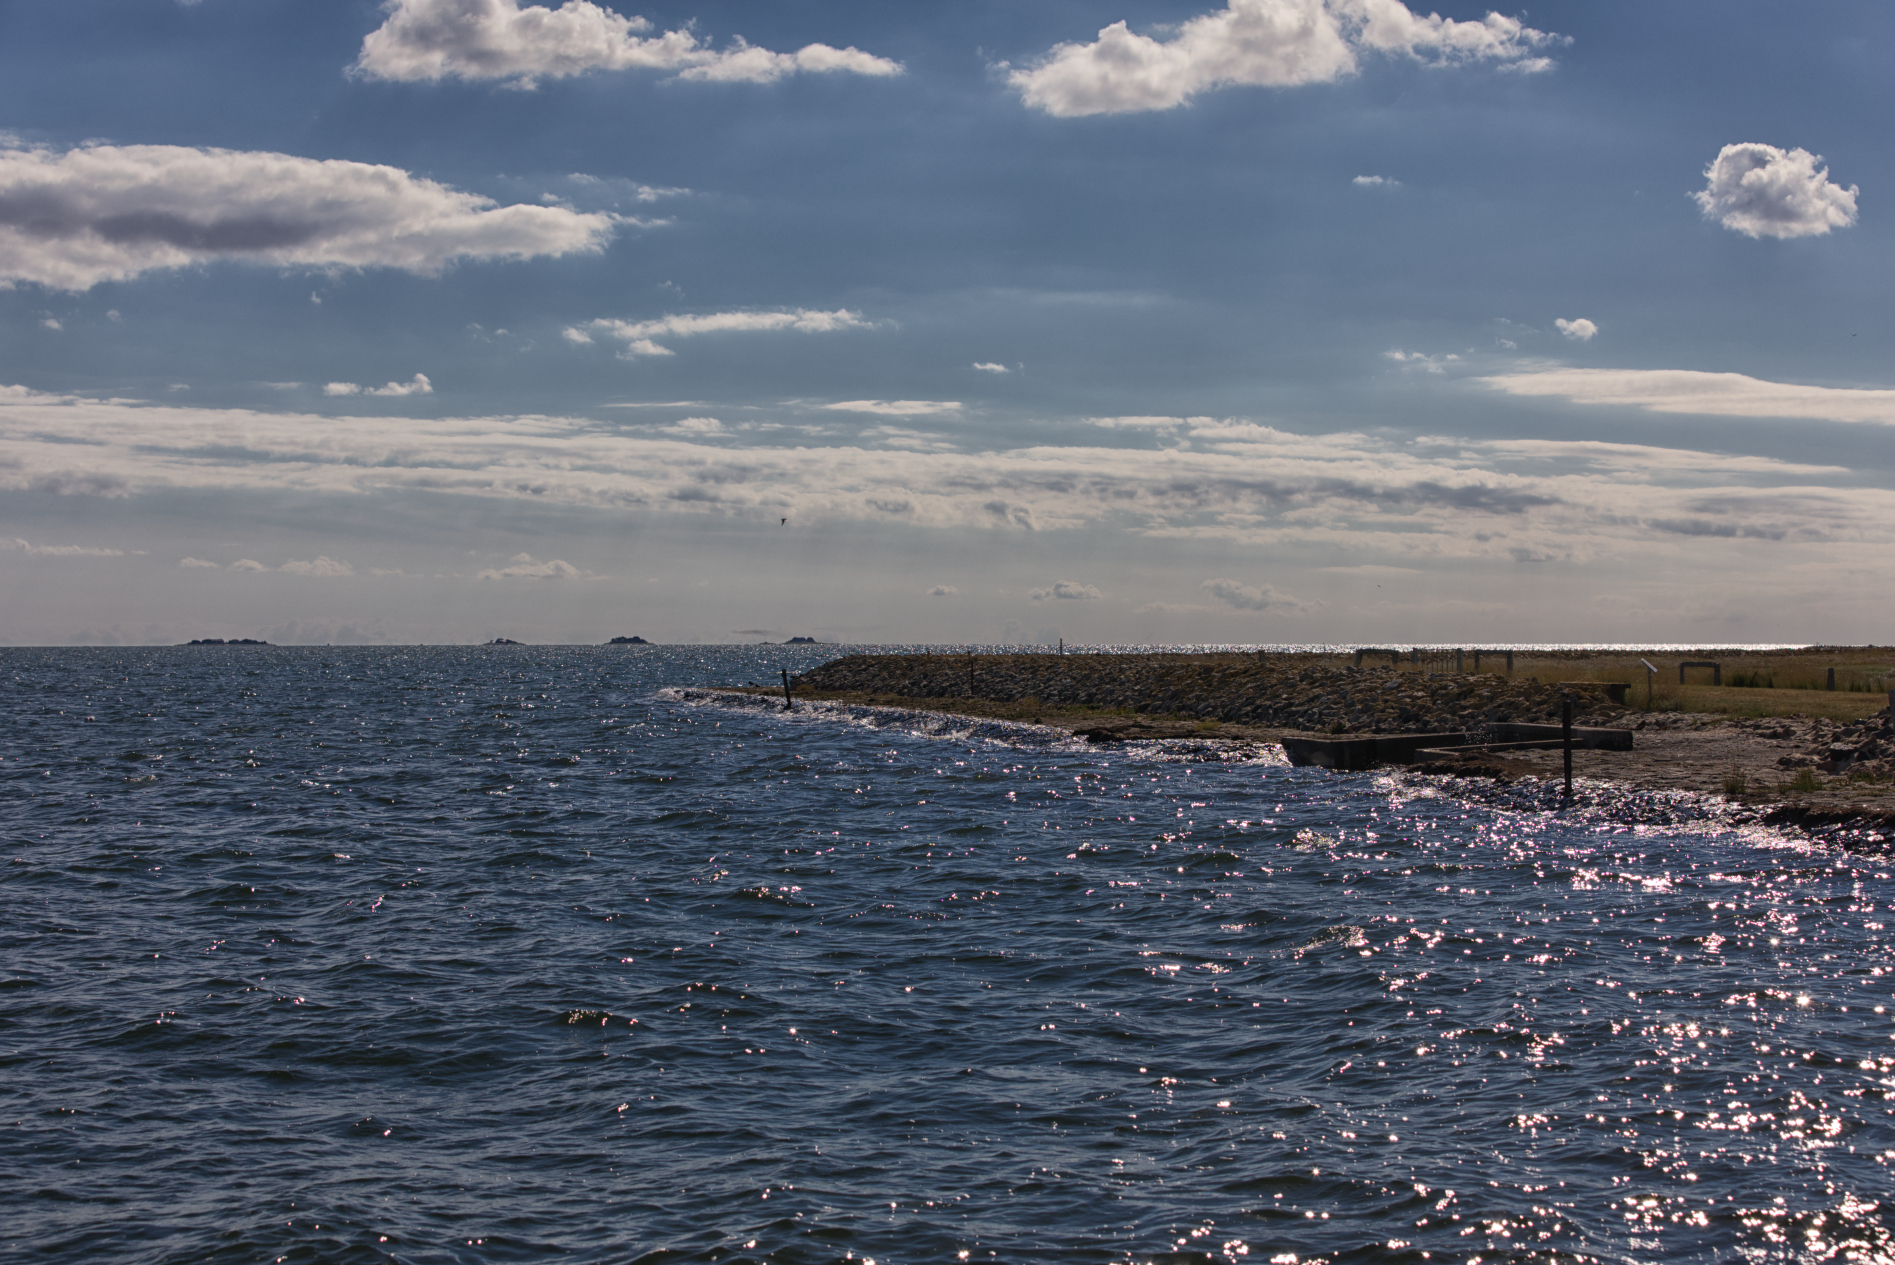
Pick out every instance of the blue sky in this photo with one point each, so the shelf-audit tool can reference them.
(1275, 321)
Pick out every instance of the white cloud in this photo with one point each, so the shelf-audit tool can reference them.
(50, 322)
(943, 590)
(1691, 391)
(897, 408)
(638, 336)
(1066, 591)
(1143, 423)
(188, 563)
(1421, 360)
(1271, 43)
(16, 545)
(107, 213)
(1763, 191)
(498, 39)
(417, 385)
(1580, 330)
(1350, 497)
(700, 426)
(988, 366)
(1375, 182)
(1245, 597)
(321, 565)
(247, 564)
(523, 567)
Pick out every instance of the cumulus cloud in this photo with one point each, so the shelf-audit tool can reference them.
(1763, 191)
(321, 565)
(417, 385)
(943, 590)
(16, 545)
(247, 564)
(1692, 391)
(1066, 591)
(897, 408)
(1245, 597)
(107, 213)
(1580, 331)
(189, 563)
(1421, 360)
(1269, 43)
(498, 39)
(523, 567)
(988, 366)
(1375, 182)
(640, 337)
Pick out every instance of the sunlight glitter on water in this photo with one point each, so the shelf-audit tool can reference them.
(931, 991)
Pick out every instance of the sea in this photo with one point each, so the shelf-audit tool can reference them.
(552, 953)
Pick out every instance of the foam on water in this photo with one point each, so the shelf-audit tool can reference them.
(529, 953)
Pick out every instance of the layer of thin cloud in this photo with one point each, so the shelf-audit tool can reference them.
(431, 40)
(988, 366)
(897, 408)
(943, 590)
(1267, 43)
(1353, 495)
(1375, 182)
(1712, 394)
(1580, 330)
(107, 213)
(16, 545)
(321, 565)
(247, 564)
(1245, 597)
(417, 385)
(640, 337)
(1763, 191)
(198, 563)
(524, 567)
(1066, 591)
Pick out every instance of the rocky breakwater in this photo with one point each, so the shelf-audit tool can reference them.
(1277, 693)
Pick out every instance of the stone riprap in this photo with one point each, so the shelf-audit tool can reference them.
(1279, 693)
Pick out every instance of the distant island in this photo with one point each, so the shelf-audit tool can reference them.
(800, 641)
(628, 641)
(234, 641)
(501, 641)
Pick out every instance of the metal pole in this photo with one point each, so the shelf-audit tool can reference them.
(1651, 674)
(1566, 739)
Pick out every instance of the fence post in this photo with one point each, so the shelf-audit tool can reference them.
(1457, 661)
(1566, 739)
(1509, 663)
(1832, 678)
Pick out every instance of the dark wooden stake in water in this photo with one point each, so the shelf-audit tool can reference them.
(789, 704)
(1566, 739)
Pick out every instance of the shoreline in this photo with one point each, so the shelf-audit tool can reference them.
(1681, 766)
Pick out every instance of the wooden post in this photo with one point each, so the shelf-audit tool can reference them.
(1509, 663)
(1566, 739)
(970, 674)
(789, 705)
(1832, 678)
(1457, 662)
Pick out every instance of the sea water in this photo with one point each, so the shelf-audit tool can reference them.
(533, 953)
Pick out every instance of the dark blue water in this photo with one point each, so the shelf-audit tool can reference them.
(506, 954)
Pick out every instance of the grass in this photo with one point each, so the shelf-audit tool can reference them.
(1805, 781)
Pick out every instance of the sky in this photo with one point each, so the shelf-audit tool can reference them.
(1274, 321)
